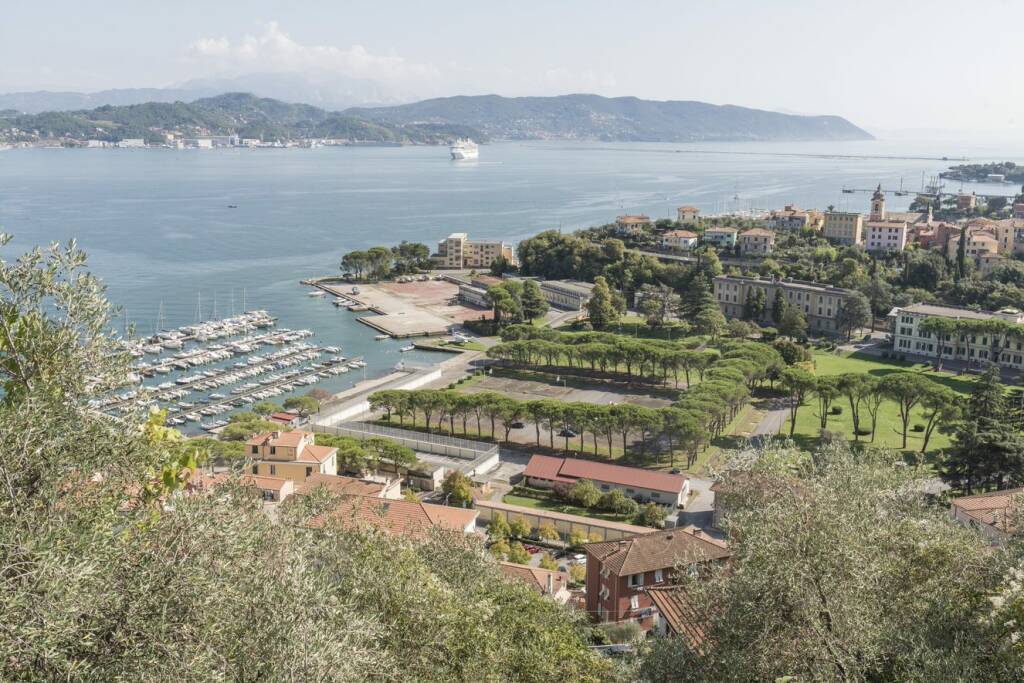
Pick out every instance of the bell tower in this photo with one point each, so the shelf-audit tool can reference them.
(877, 205)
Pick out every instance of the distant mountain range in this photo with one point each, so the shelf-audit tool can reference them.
(566, 117)
(591, 117)
(243, 114)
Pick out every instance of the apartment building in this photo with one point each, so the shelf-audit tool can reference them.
(792, 217)
(619, 573)
(886, 235)
(458, 251)
(982, 347)
(290, 455)
(843, 227)
(819, 303)
(722, 238)
(679, 240)
(756, 242)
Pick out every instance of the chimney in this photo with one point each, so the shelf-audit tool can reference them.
(551, 583)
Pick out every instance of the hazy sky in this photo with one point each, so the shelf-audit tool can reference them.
(895, 64)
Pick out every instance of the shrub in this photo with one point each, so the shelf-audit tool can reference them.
(837, 410)
(618, 503)
(917, 428)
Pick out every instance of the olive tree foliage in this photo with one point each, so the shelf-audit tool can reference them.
(841, 570)
(113, 569)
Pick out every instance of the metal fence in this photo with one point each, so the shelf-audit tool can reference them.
(418, 441)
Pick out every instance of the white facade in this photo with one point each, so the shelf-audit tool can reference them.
(132, 142)
(908, 338)
(885, 235)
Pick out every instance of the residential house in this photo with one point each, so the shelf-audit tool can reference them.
(620, 573)
(792, 217)
(671, 490)
(291, 455)
(721, 238)
(843, 227)
(996, 515)
(966, 202)
(286, 419)
(272, 489)
(459, 252)
(629, 226)
(352, 486)
(687, 215)
(1018, 210)
(756, 242)
(549, 583)
(908, 337)
(820, 303)
(679, 240)
(404, 517)
(675, 616)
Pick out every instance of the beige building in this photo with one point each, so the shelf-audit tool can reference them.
(843, 227)
(568, 295)
(679, 240)
(885, 235)
(756, 242)
(819, 303)
(290, 455)
(967, 202)
(792, 217)
(458, 251)
(687, 215)
(632, 225)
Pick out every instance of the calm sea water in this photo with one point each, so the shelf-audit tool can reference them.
(158, 229)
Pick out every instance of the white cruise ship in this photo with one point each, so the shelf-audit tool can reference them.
(464, 149)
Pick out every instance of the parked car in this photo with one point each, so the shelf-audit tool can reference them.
(532, 549)
(580, 557)
(517, 425)
(568, 433)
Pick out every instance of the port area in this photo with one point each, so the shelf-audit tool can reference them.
(422, 308)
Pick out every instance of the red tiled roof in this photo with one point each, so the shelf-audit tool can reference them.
(535, 577)
(288, 439)
(683, 234)
(284, 418)
(568, 470)
(678, 613)
(264, 483)
(661, 550)
(395, 516)
(996, 508)
(340, 485)
(316, 453)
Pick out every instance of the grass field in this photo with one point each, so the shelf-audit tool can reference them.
(557, 506)
(889, 427)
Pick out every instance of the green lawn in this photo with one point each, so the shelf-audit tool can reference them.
(558, 506)
(889, 427)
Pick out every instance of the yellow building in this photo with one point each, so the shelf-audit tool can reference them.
(458, 251)
(290, 455)
(687, 215)
(843, 227)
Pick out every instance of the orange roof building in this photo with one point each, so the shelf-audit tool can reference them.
(397, 516)
(996, 514)
(291, 455)
(544, 581)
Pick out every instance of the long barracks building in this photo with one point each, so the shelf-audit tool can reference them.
(819, 303)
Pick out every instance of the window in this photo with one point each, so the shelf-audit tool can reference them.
(636, 580)
(255, 450)
(604, 487)
(255, 469)
(273, 470)
(634, 602)
(273, 450)
(630, 491)
(655, 494)
(659, 576)
(309, 471)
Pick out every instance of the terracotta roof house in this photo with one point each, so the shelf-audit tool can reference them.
(675, 615)
(292, 455)
(544, 581)
(286, 419)
(997, 515)
(619, 572)
(397, 516)
(682, 240)
(671, 490)
(631, 225)
(273, 489)
(351, 486)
